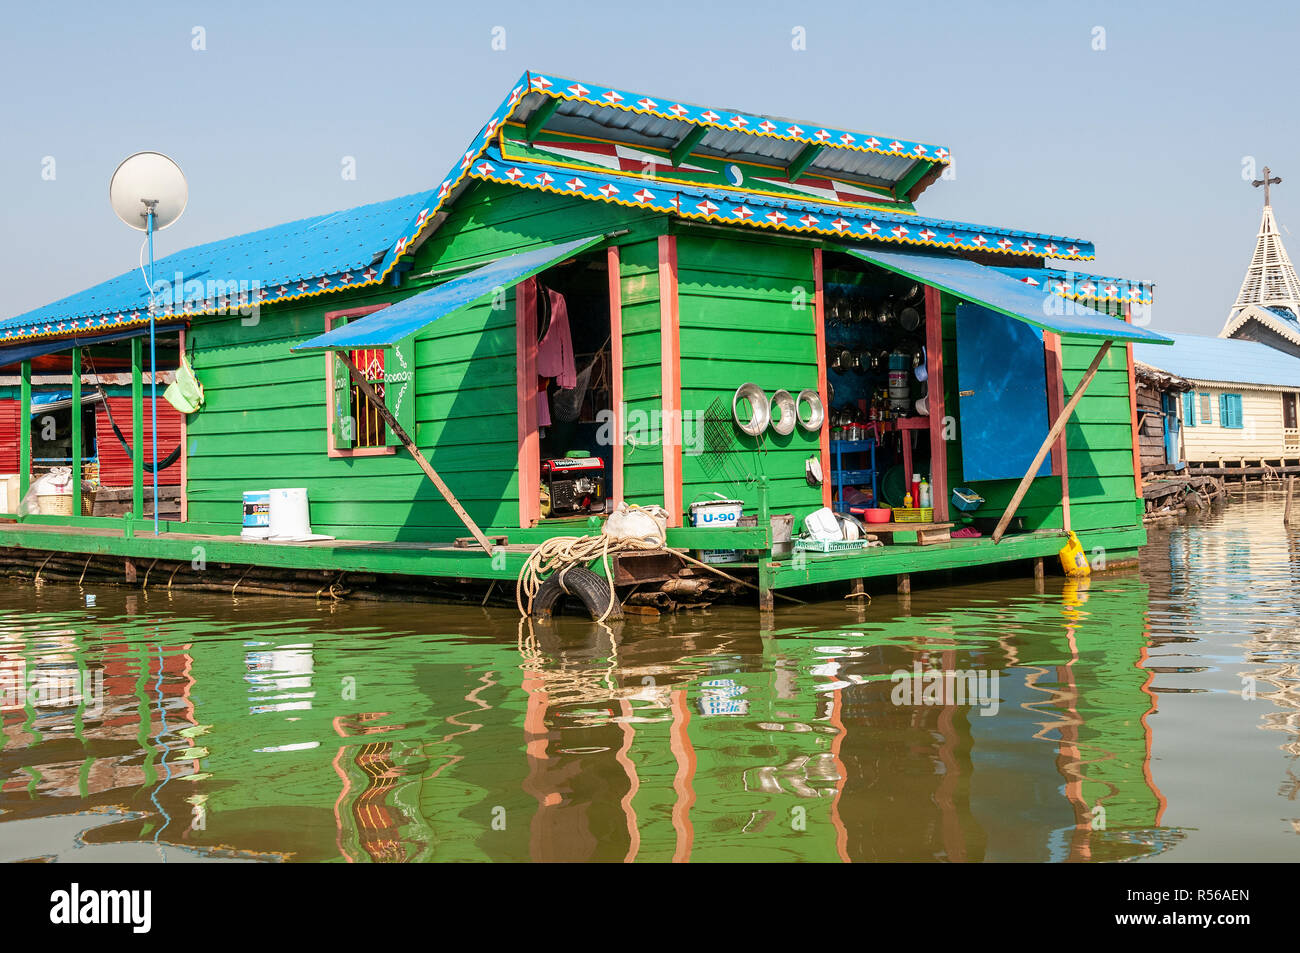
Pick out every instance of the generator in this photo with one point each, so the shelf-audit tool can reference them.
(573, 484)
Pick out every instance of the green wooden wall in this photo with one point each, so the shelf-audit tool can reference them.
(746, 307)
(1099, 443)
(264, 421)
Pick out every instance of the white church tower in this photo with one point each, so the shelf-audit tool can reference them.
(1268, 306)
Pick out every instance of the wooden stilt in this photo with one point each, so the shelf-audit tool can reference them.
(130, 570)
(766, 603)
(1039, 570)
(1286, 512)
(905, 583)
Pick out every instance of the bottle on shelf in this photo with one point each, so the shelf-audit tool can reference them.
(916, 488)
(927, 494)
(907, 500)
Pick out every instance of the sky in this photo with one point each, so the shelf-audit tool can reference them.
(1134, 126)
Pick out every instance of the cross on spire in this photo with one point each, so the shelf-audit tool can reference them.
(1266, 182)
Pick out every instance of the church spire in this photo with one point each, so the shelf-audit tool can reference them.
(1271, 280)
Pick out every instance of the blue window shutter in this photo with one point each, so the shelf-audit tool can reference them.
(1234, 408)
(1224, 419)
(1189, 408)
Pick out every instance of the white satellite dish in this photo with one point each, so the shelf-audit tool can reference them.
(148, 181)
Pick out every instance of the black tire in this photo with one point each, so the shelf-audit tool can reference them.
(580, 583)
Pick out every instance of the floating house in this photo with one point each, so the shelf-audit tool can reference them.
(1237, 410)
(562, 324)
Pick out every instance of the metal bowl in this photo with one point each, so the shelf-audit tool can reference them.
(783, 415)
(816, 410)
(760, 412)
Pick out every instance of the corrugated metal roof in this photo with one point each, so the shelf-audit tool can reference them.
(1223, 360)
(660, 121)
(766, 211)
(283, 256)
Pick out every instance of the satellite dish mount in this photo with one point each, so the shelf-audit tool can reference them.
(153, 181)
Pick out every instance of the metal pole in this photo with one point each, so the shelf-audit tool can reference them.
(153, 376)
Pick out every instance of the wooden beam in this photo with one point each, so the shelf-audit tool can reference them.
(914, 175)
(137, 428)
(1055, 368)
(25, 431)
(819, 326)
(378, 403)
(934, 395)
(670, 379)
(537, 120)
(1057, 428)
(530, 464)
(613, 264)
(76, 431)
(1133, 403)
(688, 144)
(801, 162)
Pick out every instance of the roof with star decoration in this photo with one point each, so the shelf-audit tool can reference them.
(811, 180)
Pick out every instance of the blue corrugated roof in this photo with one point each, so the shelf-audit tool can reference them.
(288, 255)
(991, 288)
(1222, 359)
(407, 317)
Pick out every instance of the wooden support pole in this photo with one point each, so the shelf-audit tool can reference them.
(25, 431)
(1039, 569)
(1286, 512)
(137, 429)
(377, 402)
(905, 584)
(76, 431)
(1057, 429)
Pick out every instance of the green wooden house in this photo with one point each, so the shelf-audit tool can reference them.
(664, 254)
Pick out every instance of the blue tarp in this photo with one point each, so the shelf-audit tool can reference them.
(386, 327)
(992, 289)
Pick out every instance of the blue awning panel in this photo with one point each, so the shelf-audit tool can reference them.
(992, 289)
(387, 327)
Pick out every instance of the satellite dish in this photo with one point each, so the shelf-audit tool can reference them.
(148, 181)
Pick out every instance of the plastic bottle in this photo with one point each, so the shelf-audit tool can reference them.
(907, 501)
(916, 489)
(927, 498)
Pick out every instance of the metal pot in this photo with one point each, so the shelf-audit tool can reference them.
(760, 414)
(816, 415)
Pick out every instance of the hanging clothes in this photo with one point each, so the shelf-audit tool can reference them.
(555, 349)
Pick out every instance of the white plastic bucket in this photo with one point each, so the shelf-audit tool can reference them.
(257, 514)
(288, 514)
(717, 514)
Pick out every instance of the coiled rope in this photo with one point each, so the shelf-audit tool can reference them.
(562, 553)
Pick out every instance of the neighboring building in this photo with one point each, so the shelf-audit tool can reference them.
(1243, 401)
(1268, 305)
(1160, 419)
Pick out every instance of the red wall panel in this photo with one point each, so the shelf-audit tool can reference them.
(115, 462)
(9, 420)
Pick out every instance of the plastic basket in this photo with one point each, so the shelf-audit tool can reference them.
(88, 502)
(913, 514)
(829, 545)
(52, 504)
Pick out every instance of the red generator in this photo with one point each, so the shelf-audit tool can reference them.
(574, 483)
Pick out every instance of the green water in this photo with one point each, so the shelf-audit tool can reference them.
(1148, 714)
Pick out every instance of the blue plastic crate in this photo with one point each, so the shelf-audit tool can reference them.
(966, 499)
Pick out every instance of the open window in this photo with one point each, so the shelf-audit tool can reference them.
(355, 426)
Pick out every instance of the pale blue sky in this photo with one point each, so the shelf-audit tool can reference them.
(1138, 147)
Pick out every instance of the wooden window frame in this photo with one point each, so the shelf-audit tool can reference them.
(331, 450)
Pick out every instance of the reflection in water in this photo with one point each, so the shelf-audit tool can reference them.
(1147, 715)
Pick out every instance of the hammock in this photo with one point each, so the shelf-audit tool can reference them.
(164, 463)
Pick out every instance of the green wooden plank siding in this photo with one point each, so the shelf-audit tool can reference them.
(1099, 442)
(643, 462)
(746, 311)
(252, 436)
